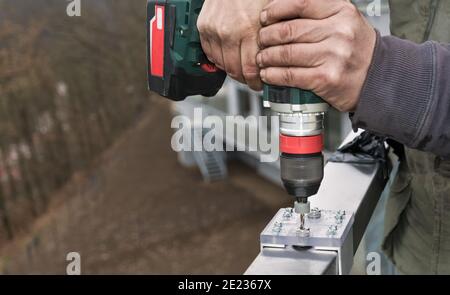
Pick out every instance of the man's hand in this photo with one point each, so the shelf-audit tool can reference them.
(229, 33)
(325, 46)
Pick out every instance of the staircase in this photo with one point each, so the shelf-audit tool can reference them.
(212, 164)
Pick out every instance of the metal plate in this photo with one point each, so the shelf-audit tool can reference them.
(329, 230)
(289, 261)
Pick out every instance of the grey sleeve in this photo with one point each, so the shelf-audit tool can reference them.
(406, 95)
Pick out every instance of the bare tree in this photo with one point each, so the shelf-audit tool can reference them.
(68, 88)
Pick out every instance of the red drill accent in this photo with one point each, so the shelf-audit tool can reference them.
(157, 42)
(209, 68)
(301, 145)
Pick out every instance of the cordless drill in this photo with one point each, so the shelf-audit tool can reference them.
(178, 67)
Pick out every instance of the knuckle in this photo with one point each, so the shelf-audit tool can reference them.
(226, 33)
(250, 72)
(288, 76)
(343, 53)
(333, 77)
(261, 39)
(201, 25)
(286, 32)
(321, 77)
(263, 57)
(349, 9)
(328, 77)
(270, 14)
(205, 31)
(347, 33)
(286, 54)
(302, 4)
(250, 75)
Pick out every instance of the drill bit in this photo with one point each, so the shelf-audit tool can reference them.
(302, 208)
(302, 220)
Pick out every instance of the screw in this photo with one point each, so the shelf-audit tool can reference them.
(341, 212)
(339, 216)
(287, 213)
(332, 229)
(277, 227)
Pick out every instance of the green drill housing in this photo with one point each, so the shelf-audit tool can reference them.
(292, 96)
(177, 65)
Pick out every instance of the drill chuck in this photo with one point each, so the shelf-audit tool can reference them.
(302, 174)
(301, 159)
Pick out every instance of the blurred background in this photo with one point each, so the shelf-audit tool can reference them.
(86, 163)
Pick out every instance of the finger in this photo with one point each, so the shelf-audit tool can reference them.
(216, 54)
(211, 47)
(293, 55)
(279, 10)
(207, 49)
(303, 78)
(250, 69)
(206, 32)
(232, 61)
(294, 31)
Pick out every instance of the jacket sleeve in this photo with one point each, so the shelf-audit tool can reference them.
(406, 95)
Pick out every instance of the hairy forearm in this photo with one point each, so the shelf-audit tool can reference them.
(406, 95)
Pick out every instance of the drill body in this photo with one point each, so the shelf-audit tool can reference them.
(178, 67)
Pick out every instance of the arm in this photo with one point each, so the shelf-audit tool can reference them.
(406, 95)
(394, 87)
